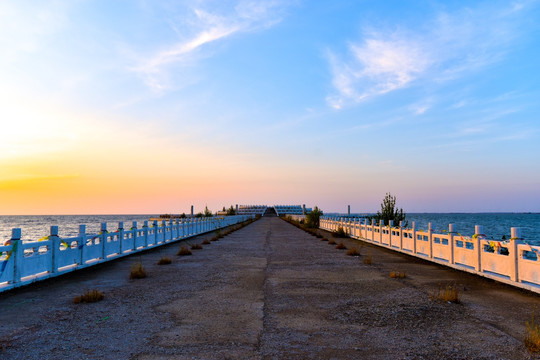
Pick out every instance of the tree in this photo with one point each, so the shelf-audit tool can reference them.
(207, 212)
(231, 211)
(312, 219)
(389, 212)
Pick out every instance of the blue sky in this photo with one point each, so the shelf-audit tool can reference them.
(326, 103)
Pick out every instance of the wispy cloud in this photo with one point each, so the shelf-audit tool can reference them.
(443, 48)
(205, 27)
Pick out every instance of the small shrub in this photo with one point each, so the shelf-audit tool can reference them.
(206, 242)
(183, 251)
(215, 238)
(368, 260)
(532, 335)
(196, 247)
(397, 275)
(341, 246)
(137, 271)
(353, 252)
(319, 236)
(340, 233)
(449, 293)
(89, 296)
(324, 239)
(331, 241)
(164, 261)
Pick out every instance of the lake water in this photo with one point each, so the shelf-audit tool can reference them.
(495, 224)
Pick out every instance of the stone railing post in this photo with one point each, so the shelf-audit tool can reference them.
(103, 240)
(451, 242)
(414, 236)
(478, 232)
(17, 254)
(401, 235)
(121, 237)
(82, 243)
(430, 238)
(134, 234)
(390, 226)
(156, 228)
(55, 243)
(145, 231)
(515, 240)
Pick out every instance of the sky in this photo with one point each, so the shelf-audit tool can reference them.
(148, 106)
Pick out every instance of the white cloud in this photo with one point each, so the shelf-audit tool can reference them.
(205, 27)
(441, 49)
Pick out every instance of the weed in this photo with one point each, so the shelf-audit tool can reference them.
(340, 233)
(449, 293)
(341, 246)
(183, 251)
(196, 247)
(532, 335)
(89, 296)
(215, 238)
(324, 239)
(137, 271)
(319, 236)
(353, 252)
(206, 242)
(397, 275)
(331, 241)
(4, 344)
(368, 260)
(164, 261)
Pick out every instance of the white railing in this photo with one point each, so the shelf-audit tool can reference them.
(511, 261)
(22, 263)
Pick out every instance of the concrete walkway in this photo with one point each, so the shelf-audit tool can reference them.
(267, 291)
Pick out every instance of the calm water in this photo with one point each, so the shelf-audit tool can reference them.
(495, 224)
(36, 227)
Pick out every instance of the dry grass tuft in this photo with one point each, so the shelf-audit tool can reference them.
(331, 241)
(164, 261)
(89, 296)
(206, 242)
(137, 271)
(340, 233)
(183, 251)
(368, 260)
(353, 252)
(196, 247)
(532, 335)
(319, 236)
(449, 293)
(215, 238)
(397, 275)
(341, 246)
(324, 239)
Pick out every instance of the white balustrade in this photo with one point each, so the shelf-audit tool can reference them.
(510, 261)
(22, 263)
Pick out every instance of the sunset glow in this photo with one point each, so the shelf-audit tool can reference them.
(152, 106)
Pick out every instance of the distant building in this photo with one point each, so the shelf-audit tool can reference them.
(279, 210)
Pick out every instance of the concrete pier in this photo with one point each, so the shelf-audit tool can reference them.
(267, 291)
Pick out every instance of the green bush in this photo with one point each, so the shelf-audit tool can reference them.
(312, 219)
